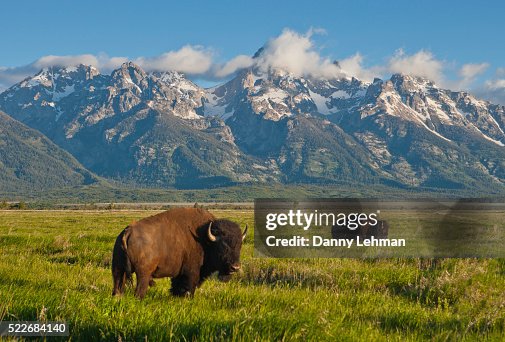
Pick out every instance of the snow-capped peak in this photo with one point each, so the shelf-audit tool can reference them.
(275, 94)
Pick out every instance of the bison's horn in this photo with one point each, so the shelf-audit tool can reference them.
(244, 233)
(211, 236)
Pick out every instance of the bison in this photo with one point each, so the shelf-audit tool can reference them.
(185, 244)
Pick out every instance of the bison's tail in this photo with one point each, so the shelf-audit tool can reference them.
(121, 265)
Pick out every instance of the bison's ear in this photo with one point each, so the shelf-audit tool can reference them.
(244, 233)
(211, 236)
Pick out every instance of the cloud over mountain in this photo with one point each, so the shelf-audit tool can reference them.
(494, 89)
(192, 60)
(297, 53)
(422, 63)
(234, 64)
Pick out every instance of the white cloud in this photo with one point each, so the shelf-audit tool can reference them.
(107, 64)
(470, 71)
(352, 66)
(494, 89)
(189, 59)
(230, 67)
(468, 74)
(295, 53)
(495, 84)
(422, 63)
(63, 61)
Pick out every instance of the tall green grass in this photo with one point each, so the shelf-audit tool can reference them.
(56, 266)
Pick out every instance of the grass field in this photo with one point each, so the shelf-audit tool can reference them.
(55, 265)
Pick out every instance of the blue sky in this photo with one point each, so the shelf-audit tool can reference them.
(453, 33)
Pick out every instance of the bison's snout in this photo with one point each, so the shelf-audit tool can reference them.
(235, 268)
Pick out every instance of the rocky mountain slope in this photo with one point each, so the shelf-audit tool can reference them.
(160, 129)
(29, 161)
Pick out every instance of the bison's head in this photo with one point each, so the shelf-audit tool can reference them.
(225, 241)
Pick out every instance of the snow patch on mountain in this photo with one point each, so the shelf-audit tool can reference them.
(213, 106)
(67, 90)
(321, 102)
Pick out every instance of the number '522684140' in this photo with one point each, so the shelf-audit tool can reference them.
(33, 328)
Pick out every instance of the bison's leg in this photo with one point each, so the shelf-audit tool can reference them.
(183, 285)
(119, 283)
(151, 282)
(142, 285)
(178, 286)
(192, 284)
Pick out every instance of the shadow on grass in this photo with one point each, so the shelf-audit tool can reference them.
(67, 260)
(441, 327)
(176, 331)
(274, 277)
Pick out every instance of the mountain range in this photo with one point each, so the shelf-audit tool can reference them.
(159, 129)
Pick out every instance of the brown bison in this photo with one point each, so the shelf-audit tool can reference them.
(185, 244)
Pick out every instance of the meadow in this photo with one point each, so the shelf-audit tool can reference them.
(55, 265)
